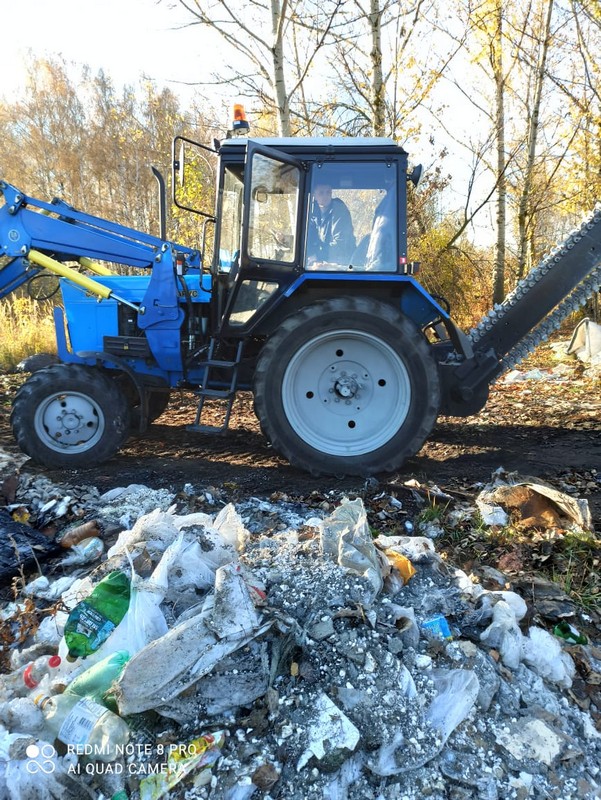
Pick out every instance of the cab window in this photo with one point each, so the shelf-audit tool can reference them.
(352, 219)
(231, 218)
(273, 210)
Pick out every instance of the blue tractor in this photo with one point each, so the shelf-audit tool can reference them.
(309, 301)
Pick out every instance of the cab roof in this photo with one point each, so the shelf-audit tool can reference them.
(315, 145)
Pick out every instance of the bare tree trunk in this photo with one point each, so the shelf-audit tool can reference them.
(278, 18)
(377, 78)
(525, 222)
(497, 64)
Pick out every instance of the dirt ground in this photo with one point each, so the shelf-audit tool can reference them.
(546, 428)
(542, 427)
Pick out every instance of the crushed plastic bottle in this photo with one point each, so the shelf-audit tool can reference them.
(91, 729)
(97, 681)
(85, 551)
(28, 677)
(93, 620)
(77, 534)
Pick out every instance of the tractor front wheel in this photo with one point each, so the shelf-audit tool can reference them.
(70, 416)
(347, 386)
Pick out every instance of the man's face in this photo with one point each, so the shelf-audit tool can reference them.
(323, 195)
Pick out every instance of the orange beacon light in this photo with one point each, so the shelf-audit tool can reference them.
(240, 123)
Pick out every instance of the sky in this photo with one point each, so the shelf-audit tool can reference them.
(126, 38)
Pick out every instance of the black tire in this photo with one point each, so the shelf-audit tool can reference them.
(157, 403)
(70, 416)
(347, 386)
(158, 400)
(37, 362)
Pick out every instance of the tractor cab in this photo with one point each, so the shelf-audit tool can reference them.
(296, 210)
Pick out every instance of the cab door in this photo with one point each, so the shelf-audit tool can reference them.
(274, 187)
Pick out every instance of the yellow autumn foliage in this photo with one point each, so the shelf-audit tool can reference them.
(27, 328)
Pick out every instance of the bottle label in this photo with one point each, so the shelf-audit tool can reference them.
(79, 722)
(93, 625)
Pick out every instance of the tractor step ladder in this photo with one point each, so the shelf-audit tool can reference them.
(228, 393)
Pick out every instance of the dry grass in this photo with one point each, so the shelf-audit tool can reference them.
(27, 327)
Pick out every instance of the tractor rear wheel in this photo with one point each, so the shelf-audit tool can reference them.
(70, 416)
(347, 386)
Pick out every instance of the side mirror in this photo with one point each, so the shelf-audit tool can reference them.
(196, 161)
(415, 175)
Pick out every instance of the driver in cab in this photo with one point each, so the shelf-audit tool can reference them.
(330, 239)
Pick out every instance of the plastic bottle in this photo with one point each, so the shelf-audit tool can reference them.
(83, 552)
(23, 680)
(84, 531)
(93, 620)
(97, 681)
(90, 728)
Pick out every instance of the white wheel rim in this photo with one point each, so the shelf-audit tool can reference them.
(346, 393)
(69, 421)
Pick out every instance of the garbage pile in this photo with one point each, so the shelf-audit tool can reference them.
(205, 657)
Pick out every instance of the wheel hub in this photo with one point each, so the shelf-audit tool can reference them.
(346, 386)
(70, 421)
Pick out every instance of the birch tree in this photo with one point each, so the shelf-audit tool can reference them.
(382, 73)
(257, 35)
(525, 205)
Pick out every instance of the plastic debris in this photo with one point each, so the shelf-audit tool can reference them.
(437, 627)
(341, 666)
(331, 736)
(401, 563)
(585, 343)
(84, 552)
(191, 649)
(23, 680)
(87, 727)
(97, 682)
(345, 536)
(194, 756)
(94, 619)
(529, 503)
(504, 635)
(569, 633)
(77, 533)
(22, 547)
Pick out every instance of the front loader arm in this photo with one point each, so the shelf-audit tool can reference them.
(33, 231)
